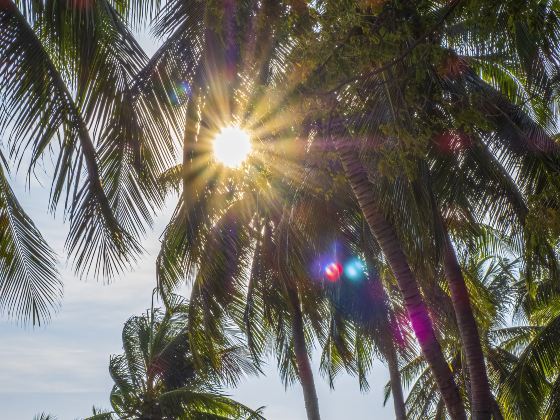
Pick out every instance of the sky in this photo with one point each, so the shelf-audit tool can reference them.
(62, 368)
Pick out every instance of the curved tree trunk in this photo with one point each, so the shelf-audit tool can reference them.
(302, 360)
(481, 397)
(389, 242)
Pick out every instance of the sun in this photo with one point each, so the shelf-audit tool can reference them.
(232, 146)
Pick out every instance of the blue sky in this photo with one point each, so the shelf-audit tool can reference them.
(62, 368)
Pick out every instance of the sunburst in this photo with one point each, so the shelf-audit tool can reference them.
(232, 146)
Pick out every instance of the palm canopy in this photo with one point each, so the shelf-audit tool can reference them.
(72, 86)
(74, 91)
(396, 102)
(363, 100)
(157, 378)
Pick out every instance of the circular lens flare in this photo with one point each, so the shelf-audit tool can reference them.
(354, 270)
(333, 271)
(232, 146)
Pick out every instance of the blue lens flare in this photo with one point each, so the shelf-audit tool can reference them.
(185, 88)
(354, 270)
(180, 92)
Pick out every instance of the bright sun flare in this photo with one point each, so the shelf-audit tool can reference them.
(232, 146)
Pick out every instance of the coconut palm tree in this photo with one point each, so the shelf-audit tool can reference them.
(521, 389)
(385, 85)
(44, 416)
(529, 383)
(241, 267)
(72, 93)
(157, 378)
(217, 220)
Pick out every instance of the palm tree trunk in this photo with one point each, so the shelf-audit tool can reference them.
(395, 378)
(481, 397)
(386, 341)
(389, 242)
(302, 360)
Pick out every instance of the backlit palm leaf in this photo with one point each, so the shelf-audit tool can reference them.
(30, 288)
(39, 109)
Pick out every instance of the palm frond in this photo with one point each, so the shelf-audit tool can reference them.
(39, 109)
(30, 286)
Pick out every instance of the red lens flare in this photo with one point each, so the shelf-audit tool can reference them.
(451, 141)
(333, 271)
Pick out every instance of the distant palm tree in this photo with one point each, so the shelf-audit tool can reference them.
(44, 416)
(156, 377)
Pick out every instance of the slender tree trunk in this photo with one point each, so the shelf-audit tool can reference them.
(389, 242)
(395, 377)
(302, 360)
(481, 397)
(387, 342)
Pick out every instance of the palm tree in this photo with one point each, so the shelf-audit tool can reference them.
(417, 311)
(72, 91)
(521, 389)
(529, 381)
(247, 236)
(386, 84)
(44, 416)
(214, 224)
(157, 377)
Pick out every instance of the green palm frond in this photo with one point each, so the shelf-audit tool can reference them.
(39, 109)
(202, 405)
(30, 287)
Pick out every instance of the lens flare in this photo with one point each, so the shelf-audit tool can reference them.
(354, 270)
(232, 146)
(180, 93)
(333, 271)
